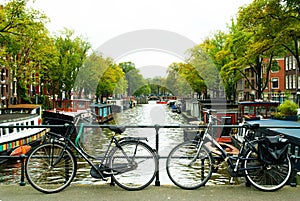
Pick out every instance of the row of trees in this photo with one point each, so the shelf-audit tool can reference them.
(33, 56)
(262, 31)
(60, 63)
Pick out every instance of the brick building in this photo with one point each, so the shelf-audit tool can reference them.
(275, 90)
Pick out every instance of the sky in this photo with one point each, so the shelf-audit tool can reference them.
(101, 22)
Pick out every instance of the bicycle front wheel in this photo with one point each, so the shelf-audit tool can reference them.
(186, 168)
(50, 167)
(264, 176)
(133, 165)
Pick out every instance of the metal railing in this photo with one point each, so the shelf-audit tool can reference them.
(294, 148)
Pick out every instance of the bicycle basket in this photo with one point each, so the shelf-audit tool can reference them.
(272, 150)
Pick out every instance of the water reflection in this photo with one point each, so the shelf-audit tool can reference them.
(95, 141)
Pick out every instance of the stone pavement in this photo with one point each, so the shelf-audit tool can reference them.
(157, 193)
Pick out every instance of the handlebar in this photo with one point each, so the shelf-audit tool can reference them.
(251, 126)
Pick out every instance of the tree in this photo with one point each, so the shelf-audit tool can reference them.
(271, 24)
(134, 79)
(26, 48)
(142, 90)
(249, 45)
(108, 82)
(90, 73)
(72, 54)
(214, 47)
(204, 67)
(184, 76)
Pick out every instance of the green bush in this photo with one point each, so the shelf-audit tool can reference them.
(278, 115)
(287, 108)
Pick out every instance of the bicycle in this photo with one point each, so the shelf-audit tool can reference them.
(52, 165)
(191, 163)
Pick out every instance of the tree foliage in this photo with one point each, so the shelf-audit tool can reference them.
(202, 65)
(109, 81)
(90, 73)
(184, 76)
(72, 52)
(272, 25)
(33, 57)
(26, 46)
(136, 82)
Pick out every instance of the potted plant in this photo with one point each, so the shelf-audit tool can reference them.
(287, 111)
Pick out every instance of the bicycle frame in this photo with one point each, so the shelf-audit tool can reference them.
(232, 161)
(67, 142)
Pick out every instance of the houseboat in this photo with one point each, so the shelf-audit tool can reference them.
(255, 110)
(23, 115)
(103, 112)
(66, 111)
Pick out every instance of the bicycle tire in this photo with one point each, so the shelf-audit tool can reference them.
(139, 173)
(184, 174)
(266, 177)
(46, 177)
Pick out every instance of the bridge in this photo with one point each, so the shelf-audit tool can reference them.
(273, 129)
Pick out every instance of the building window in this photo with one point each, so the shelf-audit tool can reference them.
(275, 67)
(275, 83)
(294, 81)
(286, 63)
(290, 82)
(287, 82)
(291, 62)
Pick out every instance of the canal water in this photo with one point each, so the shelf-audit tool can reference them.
(95, 141)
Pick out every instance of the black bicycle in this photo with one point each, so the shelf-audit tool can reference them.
(263, 160)
(51, 166)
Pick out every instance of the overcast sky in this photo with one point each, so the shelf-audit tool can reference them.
(102, 20)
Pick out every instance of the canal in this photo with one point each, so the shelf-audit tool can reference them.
(95, 141)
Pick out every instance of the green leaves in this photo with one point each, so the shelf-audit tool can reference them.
(33, 55)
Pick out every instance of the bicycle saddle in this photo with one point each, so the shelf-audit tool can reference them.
(117, 129)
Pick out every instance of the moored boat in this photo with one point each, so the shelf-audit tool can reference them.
(166, 99)
(103, 112)
(66, 111)
(162, 102)
(23, 115)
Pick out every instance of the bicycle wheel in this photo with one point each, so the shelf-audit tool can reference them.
(50, 168)
(133, 165)
(188, 170)
(266, 177)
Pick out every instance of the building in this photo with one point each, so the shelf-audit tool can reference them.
(292, 77)
(275, 90)
(8, 88)
(275, 87)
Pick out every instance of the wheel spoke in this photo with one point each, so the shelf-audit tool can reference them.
(50, 168)
(139, 165)
(186, 169)
(266, 177)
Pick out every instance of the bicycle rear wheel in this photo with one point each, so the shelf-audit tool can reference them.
(188, 170)
(266, 177)
(50, 168)
(133, 165)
